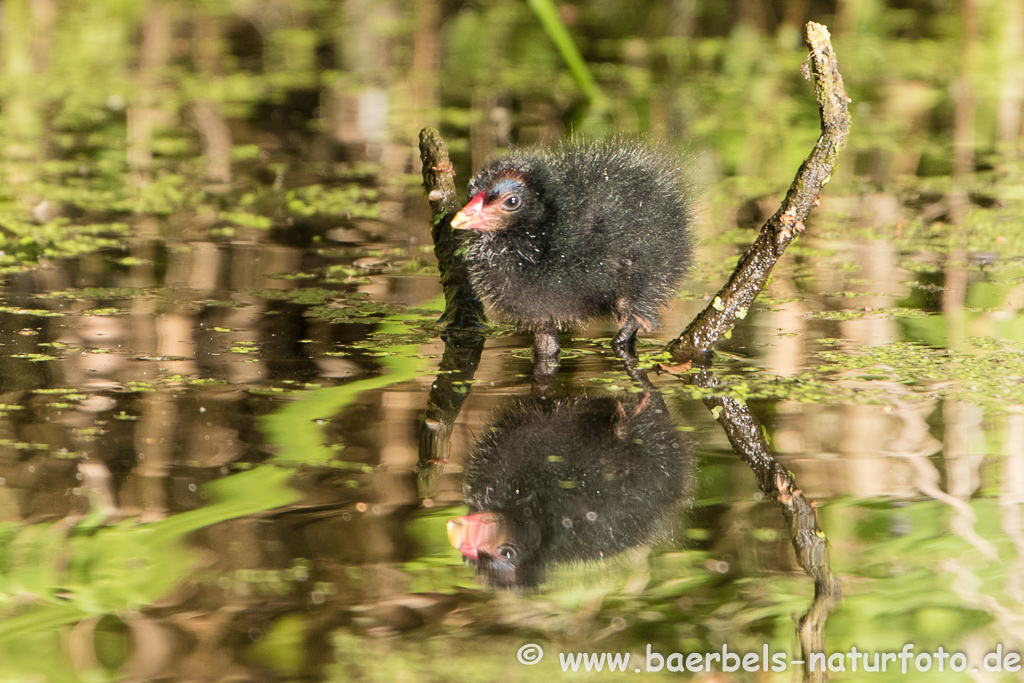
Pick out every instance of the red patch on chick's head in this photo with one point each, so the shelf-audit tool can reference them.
(488, 208)
(474, 215)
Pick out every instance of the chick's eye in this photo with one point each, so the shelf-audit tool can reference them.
(507, 553)
(511, 202)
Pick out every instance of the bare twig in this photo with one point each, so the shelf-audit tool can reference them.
(462, 307)
(753, 269)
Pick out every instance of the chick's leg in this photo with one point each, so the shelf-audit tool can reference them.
(545, 344)
(624, 343)
(545, 357)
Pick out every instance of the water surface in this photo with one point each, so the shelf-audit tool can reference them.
(231, 439)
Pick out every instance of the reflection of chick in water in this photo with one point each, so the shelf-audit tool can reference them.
(568, 480)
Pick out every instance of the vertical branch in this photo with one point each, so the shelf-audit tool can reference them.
(462, 307)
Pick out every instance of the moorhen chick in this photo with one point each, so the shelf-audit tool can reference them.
(575, 233)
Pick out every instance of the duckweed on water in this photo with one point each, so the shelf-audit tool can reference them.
(861, 312)
(34, 357)
(295, 276)
(40, 312)
(986, 372)
(244, 347)
(90, 293)
(349, 313)
(246, 220)
(351, 201)
(305, 296)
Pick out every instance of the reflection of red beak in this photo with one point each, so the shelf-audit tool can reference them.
(476, 533)
(472, 216)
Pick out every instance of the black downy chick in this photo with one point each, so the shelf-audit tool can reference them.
(576, 233)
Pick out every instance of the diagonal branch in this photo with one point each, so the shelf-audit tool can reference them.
(751, 274)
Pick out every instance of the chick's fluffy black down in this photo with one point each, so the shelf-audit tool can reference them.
(603, 229)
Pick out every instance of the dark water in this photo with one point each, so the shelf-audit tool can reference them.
(233, 437)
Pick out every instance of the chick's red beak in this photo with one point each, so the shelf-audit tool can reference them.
(473, 215)
(478, 533)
